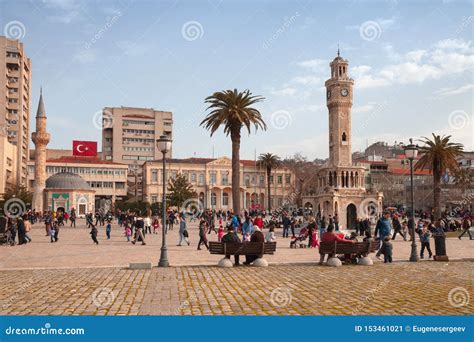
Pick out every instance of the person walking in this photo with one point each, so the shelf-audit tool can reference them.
(425, 242)
(139, 226)
(94, 233)
(147, 221)
(286, 225)
(383, 229)
(108, 229)
(397, 227)
(27, 227)
(183, 232)
(311, 228)
(466, 226)
(21, 230)
(202, 234)
(72, 218)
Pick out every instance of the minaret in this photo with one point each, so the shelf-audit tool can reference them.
(339, 102)
(40, 139)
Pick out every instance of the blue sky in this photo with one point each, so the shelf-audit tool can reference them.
(412, 62)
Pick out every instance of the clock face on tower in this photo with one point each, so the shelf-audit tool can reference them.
(344, 92)
(328, 94)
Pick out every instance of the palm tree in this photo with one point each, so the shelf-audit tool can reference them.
(463, 178)
(268, 161)
(438, 155)
(233, 110)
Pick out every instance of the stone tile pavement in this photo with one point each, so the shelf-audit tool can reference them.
(425, 288)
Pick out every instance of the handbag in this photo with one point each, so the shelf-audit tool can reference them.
(185, 233)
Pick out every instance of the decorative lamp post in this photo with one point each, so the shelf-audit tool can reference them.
(411, 151)
(164, 145)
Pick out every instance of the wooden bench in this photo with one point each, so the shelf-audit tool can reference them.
(242, 248)
(361, 248)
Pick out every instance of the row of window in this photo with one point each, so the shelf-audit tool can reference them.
(138, 122)
(125, 157)
(108, 185)
(138, 149)
(80, 170)
(138, 131)
(140, 140)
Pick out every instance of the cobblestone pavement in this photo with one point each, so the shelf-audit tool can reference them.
(75, 249)
(428, 288)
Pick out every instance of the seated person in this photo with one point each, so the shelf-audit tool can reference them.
(231, 236)
(257, 236)
(331, 236)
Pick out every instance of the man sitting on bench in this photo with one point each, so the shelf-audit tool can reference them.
(257, 236)
(231, 237)
(330, 236)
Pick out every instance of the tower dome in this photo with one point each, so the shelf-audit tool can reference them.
(67, 180)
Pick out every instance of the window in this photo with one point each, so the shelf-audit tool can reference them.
(119, 185)
(225, 178)
(225, 199)
(154, 176)
(213, 178)
(262, 180)
(154, 199)
(193, 177)
(201, 178)
(271, 179)
(213, 199)
(344, 136)
(280, 179)
(287, 179)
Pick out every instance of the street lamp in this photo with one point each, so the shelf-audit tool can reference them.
(164, 145)
(411, 151)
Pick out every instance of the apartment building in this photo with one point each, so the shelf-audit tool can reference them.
(129, 136)
(15, 84)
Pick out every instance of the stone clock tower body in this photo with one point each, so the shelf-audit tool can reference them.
(339, 103)
(340, 187)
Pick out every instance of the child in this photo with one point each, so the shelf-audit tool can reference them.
(108, 229)
(156, 226)
(94, 234)
(425, 242)
(128, 232)
(315, 240)
(387, 250)
(52, 233)
(220, 233)
(247, 237)
(270, 237)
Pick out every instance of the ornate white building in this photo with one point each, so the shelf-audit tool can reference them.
(341, 184)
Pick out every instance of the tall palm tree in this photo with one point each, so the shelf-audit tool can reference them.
(233, 110)
(438, 155)
(268, 161)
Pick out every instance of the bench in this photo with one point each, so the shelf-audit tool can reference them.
(359, 248)
(242, 248)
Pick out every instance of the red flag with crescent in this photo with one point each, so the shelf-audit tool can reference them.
(84, 148)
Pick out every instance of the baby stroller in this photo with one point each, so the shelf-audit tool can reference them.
(300, 239)
(7, 235)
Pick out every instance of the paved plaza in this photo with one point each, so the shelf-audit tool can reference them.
(75, 277)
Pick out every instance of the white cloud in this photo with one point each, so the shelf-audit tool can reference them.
(444, 92)
(314, 64)
(364, 108)
(446, 57)
(288, 91)
(309, 79)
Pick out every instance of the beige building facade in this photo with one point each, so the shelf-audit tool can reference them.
(108, 180)
(211, 179)
(15, 85)
(340, 184)
(8, 164)
(129, 137)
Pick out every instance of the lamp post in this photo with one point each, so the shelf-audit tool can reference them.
(411, 151)
(164, 145)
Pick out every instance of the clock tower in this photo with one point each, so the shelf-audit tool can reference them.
(339, 102)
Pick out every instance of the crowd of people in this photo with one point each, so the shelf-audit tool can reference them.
(304, 230)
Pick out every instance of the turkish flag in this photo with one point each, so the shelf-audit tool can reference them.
(84, 148)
